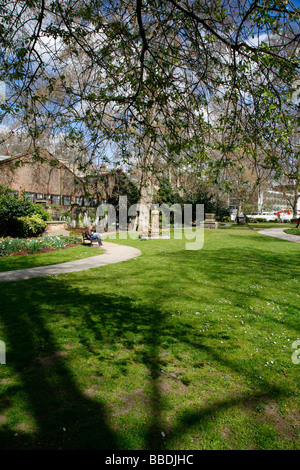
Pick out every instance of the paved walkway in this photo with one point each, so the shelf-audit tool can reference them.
(114, 253)
(279, 233)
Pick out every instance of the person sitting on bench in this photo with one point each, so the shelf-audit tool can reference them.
(92, 235)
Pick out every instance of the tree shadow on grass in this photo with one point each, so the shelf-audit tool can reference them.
(64, 416)
(224, 265)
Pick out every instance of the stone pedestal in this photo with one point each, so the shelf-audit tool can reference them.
(56, 227)
(210, 221)
(155, 223)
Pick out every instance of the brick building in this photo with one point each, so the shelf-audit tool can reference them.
(49, 180)
(67, 193)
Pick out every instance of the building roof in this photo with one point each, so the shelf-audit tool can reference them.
(45, 154)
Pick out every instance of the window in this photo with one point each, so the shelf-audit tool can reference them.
(30, 196)
(78, 200)
(86, 202)
(66, 200)
(55, 199)
(39, 195)
(93, 202)
(48, 197)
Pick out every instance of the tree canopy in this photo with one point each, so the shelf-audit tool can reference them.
(185, 79)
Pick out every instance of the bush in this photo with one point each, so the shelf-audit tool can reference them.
(4, 190)
(11, 208)
(29, 226)
(39, 209)
(20, 217)
(254, 220)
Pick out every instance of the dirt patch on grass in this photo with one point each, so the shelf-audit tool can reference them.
(4, 381)
(47, 361)
(286, 425)
(171, 382)
(2, 419)
(91, 392)
(24, 428)
(134, 401)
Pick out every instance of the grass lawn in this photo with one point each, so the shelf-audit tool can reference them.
(175, 349)
(261, 226)
(293, 231)
(11, 263)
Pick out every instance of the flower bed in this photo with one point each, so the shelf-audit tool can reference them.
(14, 246)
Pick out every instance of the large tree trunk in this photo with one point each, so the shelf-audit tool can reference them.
(141, 221)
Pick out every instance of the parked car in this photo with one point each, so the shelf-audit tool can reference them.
(268, 216)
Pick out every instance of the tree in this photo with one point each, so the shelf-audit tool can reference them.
(150, 72)
(288, 175)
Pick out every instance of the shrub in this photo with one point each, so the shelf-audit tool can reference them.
(12, 212)
(254, 220)
(29, 226)
(4, 190)
(39, 209)
(11, 208)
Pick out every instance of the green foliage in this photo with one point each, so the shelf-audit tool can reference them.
(253, 220)
(123, 187)
(4, 190)
(168, 195)
(29, 226)
(207, 30)
(13, 245)
(11, 208)
(39, 209)
(211, 205)
(19, 216)
(293, 231)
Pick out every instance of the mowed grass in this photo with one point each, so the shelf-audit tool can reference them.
(12, 263)
(293, 231)
(175, 349)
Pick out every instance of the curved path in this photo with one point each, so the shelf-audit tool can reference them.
(279, 233)
(113, 254)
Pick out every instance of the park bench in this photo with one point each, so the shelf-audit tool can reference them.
(86, 238)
